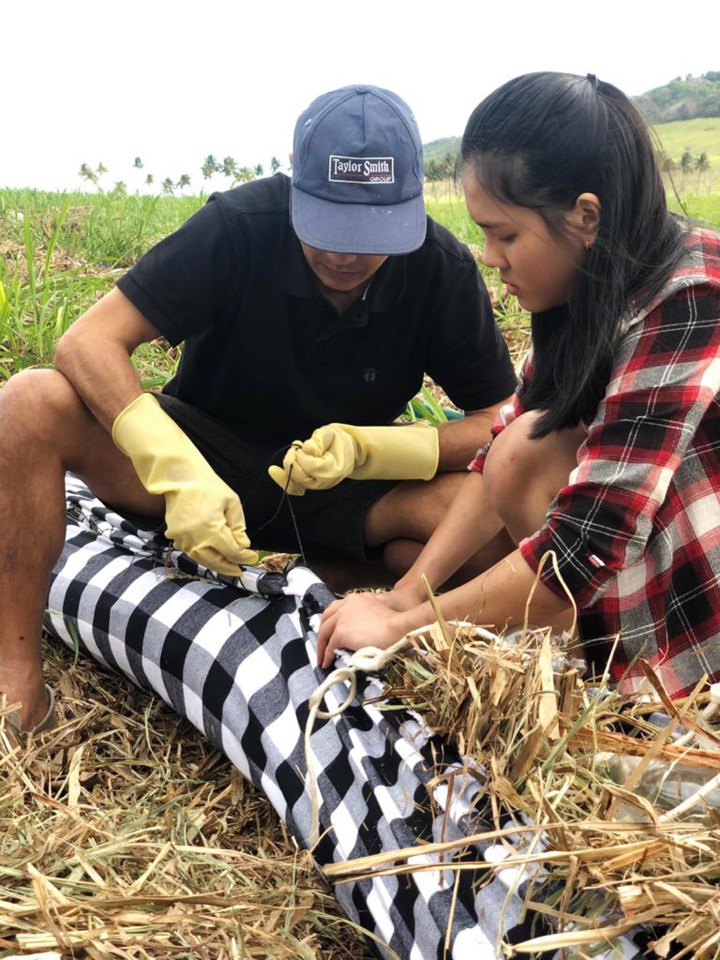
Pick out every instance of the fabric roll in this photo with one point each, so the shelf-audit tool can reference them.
(238, 659)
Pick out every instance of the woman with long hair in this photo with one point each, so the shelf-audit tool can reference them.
(608, 459)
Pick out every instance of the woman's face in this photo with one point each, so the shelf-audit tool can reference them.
(539, 267)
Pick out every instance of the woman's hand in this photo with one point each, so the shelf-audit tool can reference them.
(358, 620)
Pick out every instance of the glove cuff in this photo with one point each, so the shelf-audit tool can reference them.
(163, 456)
(397, 452)
(131, 424)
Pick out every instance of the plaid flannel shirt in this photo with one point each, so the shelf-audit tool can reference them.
(636, 531)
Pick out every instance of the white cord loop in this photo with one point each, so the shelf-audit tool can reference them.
(367, 659)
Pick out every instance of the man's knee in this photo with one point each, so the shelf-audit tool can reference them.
(43, 392)
(411, 510)
(41, 415)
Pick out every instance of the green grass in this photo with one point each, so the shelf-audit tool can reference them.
(106, 229)
(60, 252)
(449, 209)
(701, 135)
(703, 207)
(446, 205)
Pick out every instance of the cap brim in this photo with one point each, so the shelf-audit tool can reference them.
(358, 227)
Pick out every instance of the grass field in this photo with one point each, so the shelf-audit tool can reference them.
(703, 207)
(698, 136)
(701, 135)
(59, 252)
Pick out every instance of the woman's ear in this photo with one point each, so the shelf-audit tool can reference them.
(584, 218)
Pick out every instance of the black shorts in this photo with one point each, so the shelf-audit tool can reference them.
(329, 522)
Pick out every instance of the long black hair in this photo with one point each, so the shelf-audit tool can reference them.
(539, 141)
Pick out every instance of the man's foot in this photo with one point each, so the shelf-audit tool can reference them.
(37, 720)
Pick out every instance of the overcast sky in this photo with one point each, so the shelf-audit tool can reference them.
(174, 81)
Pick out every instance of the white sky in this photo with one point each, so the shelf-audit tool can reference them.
(174, 80)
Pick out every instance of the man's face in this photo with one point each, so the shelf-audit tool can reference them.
(342, 272)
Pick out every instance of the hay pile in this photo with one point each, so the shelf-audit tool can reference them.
(124, 834)
(546, 746)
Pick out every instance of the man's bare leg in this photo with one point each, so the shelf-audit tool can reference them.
(523, 478)
(343, 575)
(400, 523)
(407, 516)
(45, 430)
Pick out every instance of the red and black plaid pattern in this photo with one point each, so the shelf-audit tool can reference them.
(637, 529)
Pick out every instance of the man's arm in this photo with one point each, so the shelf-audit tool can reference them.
(460, 439)
(203, 515)
(94, 355)
(415, 451)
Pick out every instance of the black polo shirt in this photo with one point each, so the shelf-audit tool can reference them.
(267, 355)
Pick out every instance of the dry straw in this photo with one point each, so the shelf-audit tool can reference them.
(124, 834)
(545, 746)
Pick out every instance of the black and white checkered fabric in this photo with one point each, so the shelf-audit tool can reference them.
(237, 658)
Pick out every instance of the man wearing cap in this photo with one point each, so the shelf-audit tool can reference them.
(308, 313)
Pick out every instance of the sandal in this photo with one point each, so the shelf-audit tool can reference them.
(47, 722)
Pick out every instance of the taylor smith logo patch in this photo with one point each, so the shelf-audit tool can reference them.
(362, 169)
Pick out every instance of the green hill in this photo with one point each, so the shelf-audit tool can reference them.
(682, 99)
(685, 114)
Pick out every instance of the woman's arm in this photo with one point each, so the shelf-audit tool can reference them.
(467, 526)
(497, 598)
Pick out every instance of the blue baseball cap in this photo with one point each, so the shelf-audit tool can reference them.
(357, 174)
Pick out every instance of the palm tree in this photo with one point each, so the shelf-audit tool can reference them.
(702, 165)
(138, 164)
(184, 181)
(274, 164)
(168, 186)
(449, 165)
(210, 166)
(149, 179)
(259, 172)
(434, 172)
(685, 165)
(87, 173)
(229, 166)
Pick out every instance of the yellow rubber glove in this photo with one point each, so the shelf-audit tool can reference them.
(204, 517)
(339, 450)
